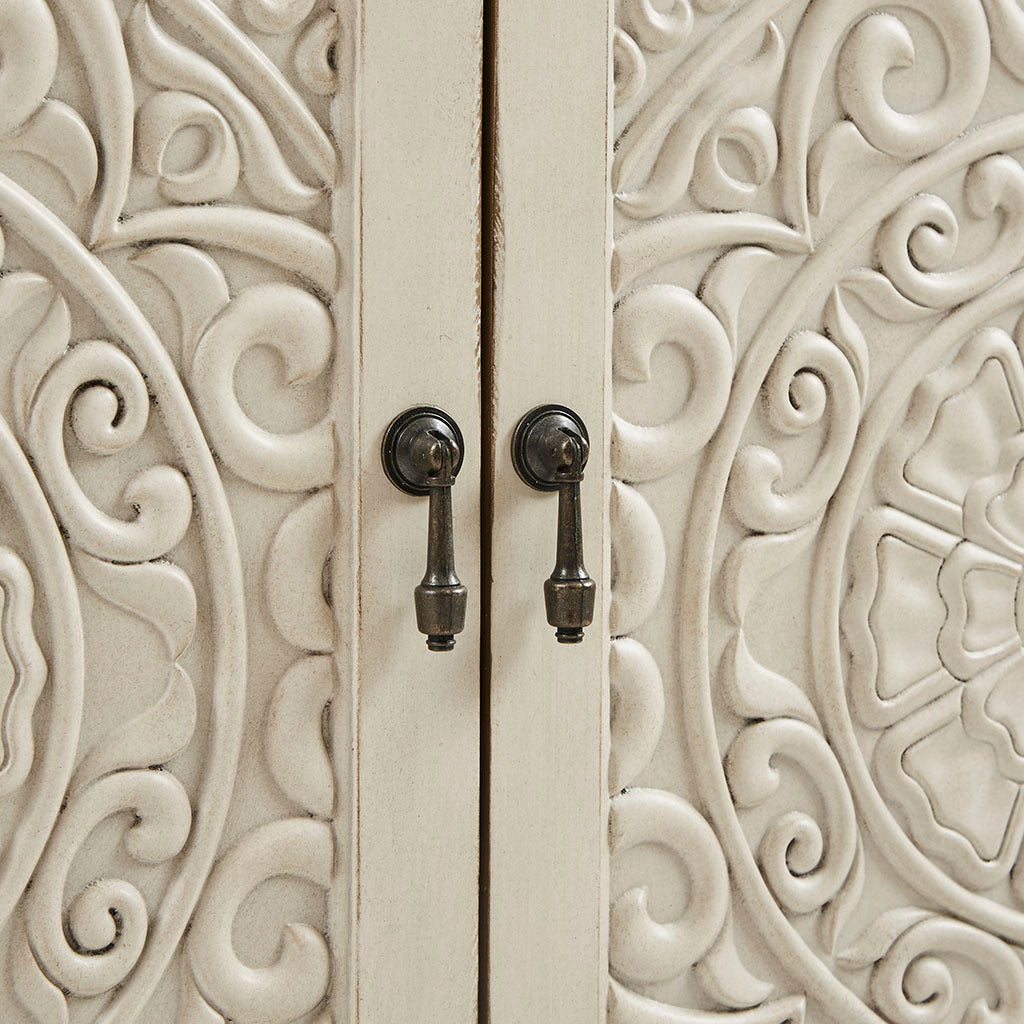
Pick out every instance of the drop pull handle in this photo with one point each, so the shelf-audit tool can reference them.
(422, 455)
(550, 448)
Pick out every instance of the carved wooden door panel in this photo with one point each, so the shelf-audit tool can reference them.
(817, 556)
(238, 238)
(818, 423)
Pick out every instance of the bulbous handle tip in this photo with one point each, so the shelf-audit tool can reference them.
(440, 613)
(570, 606)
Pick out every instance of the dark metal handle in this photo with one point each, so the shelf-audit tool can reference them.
(550, 448)
(422, 454)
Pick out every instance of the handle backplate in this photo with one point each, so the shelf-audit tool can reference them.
(398, 450)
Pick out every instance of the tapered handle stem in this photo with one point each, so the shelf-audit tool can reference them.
(440, 597)
(550, 450)
(422, 454)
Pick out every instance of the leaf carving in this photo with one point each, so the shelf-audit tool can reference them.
(754, 691)
(831, 157)
(875, 941)
(171, 65)
(878, 293)
(161, 595)
(726, 282)
(675, 164)
(60, 138)
(844, 332)
(48, 334)
(196, 284)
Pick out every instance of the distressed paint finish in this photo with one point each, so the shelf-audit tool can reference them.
(548, 701)
(419, 712)
(816, 443)
(208, 706)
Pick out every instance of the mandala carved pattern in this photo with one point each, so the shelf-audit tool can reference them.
(170, 173)
(817, 507)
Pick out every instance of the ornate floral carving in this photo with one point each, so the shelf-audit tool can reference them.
(165, 190)
(844, 501)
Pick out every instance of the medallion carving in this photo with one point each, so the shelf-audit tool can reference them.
(817, 722)
(168, 170)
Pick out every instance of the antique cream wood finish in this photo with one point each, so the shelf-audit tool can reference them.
(546, 899)
(419, 712)
(816, 673)
(238, 238)
(781, 780)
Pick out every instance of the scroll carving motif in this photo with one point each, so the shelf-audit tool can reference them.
(168, 299)
(817, 554)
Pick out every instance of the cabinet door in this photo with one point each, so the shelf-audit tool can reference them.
(238, 238)
(548, 702)
(815, 517)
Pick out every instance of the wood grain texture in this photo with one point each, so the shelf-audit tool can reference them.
(418, 712)
(548, 702)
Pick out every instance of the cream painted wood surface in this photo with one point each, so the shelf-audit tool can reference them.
(551, 341)
(419, 712)
(238, 238)
(818, 429)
